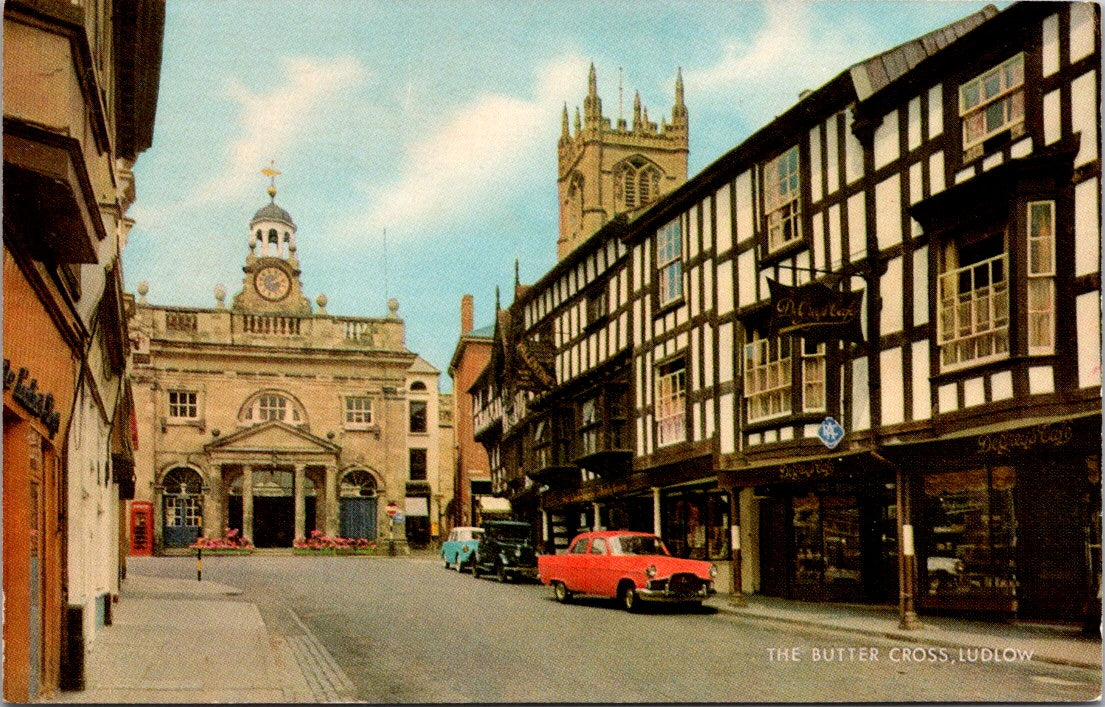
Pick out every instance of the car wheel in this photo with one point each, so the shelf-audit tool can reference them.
(459, 566)
(446, 563)
(475, 569)
(561, 592)
(629, 599)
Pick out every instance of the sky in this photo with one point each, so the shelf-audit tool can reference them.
(417, 139)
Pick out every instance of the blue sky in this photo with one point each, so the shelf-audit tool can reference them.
(438, 121)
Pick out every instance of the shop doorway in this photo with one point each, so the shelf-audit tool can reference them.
(1051, 538)
(828, 544)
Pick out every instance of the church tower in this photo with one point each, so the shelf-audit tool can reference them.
(604, 171)
(271, 284)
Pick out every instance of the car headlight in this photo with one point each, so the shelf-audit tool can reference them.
(517, 552)
(650, 571)
(713, 571)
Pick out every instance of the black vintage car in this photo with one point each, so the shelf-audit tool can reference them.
(505, 551)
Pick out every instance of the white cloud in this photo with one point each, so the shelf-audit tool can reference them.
(475, 155)
(793, 48)
(271, 123)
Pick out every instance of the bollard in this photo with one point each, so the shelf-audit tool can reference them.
(199, 564)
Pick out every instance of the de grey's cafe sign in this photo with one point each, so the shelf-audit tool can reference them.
(26, 393)
(815, 312)
(1029, 439)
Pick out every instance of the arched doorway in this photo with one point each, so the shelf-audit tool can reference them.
(181, 507)
(358, 505)
(273, 506)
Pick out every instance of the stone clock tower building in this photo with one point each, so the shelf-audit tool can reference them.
(275, 418)
(606, 170)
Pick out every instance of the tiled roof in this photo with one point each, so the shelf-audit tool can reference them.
(878, 72)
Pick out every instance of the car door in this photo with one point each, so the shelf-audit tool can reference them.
(603, 576)
(575, 566)
(449, 549)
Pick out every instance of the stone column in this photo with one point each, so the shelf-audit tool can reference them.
(596, 523)
(330, 503)
(247, 501)
(300, 501)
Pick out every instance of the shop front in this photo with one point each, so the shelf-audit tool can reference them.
(1009, 522)
(827, 529)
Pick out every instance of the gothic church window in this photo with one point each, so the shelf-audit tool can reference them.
(637, 183)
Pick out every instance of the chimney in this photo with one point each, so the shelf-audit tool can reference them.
(465, 314)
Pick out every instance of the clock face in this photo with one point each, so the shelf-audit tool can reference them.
(272, 283)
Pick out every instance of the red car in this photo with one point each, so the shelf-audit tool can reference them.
(628, 566)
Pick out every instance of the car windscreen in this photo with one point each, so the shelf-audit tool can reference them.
(637, 545)
(511, 532)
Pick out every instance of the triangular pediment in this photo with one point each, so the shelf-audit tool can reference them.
(272, 436)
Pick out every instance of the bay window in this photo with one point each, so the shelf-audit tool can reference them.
(1041, 277)
(767, 376)
(973, 300)
(813, 376)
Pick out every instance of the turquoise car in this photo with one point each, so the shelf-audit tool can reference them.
(456, 551)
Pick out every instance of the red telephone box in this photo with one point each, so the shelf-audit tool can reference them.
(141, 528)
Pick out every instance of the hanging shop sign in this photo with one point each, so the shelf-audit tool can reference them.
(26, 393)
(1040, 437)
(815, 312)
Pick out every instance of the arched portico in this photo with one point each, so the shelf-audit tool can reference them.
(277, 482)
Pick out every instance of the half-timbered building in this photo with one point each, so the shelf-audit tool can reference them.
(863, 346)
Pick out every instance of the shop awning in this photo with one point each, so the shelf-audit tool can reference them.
(494, 504)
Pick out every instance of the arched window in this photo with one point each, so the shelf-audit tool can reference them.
(418, 385)
(637, 182)
(272, 405)
(358, 484)
(182, 481)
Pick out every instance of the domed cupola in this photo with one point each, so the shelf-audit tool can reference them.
(271, 283)
(272, 230)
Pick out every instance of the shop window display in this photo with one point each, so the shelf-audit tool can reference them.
(826, 540)
(696, 525)
(971, 533)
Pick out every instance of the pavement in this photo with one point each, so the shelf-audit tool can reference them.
(184, 641)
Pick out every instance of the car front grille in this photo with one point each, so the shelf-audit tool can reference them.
(685, 584)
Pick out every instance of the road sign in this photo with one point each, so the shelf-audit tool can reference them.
(830, 432)
(392, 509)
